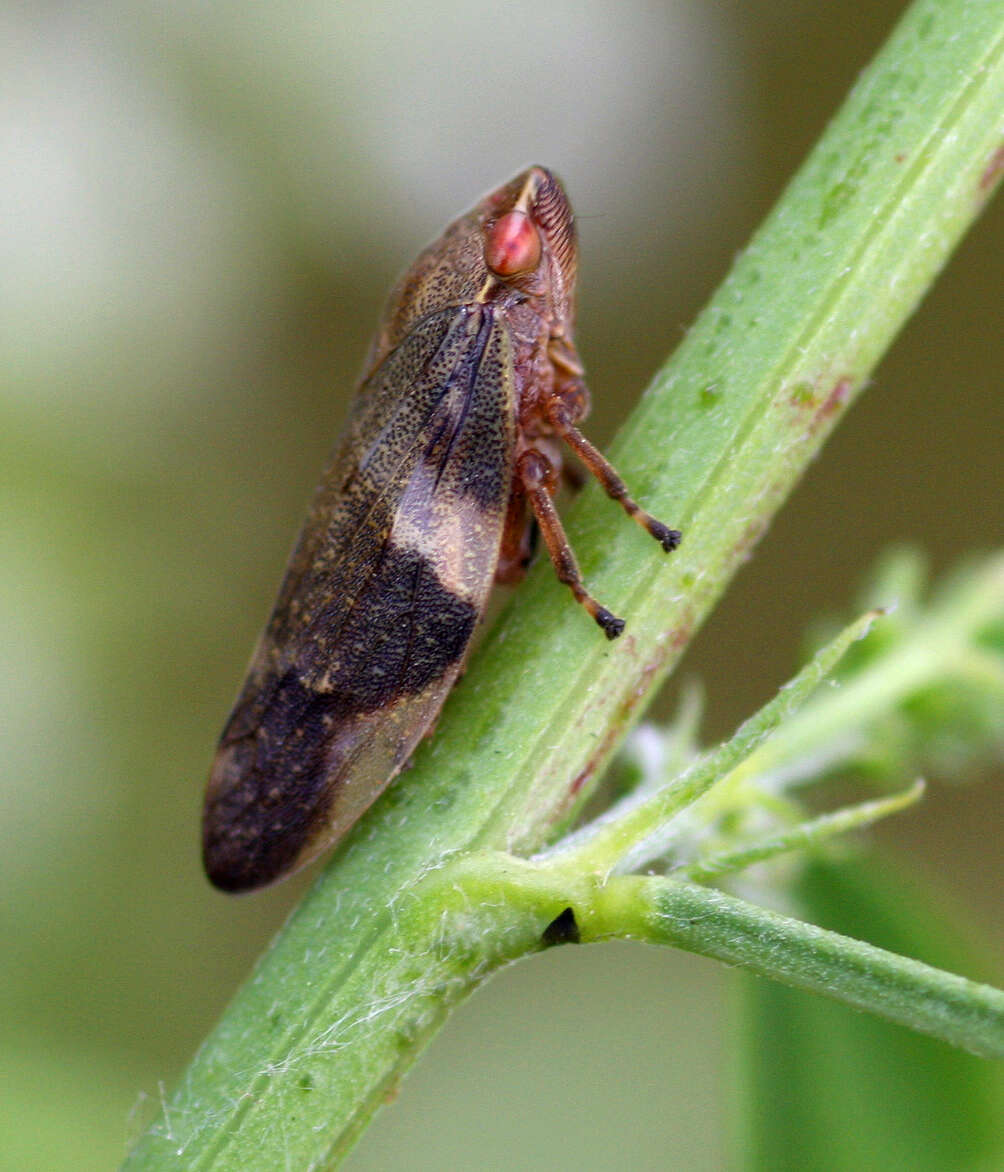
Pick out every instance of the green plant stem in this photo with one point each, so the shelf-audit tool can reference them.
(332, 1015)
(498, 908)
(525, 898)
(699, 919)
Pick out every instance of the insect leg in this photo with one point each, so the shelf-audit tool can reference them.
(539, 481)
(515, 548)
(615, 488)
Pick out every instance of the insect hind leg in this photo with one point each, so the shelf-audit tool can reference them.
(539, 480)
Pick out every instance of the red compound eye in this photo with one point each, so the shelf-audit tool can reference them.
(512, 245)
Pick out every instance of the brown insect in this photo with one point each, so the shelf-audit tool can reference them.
(471, 381)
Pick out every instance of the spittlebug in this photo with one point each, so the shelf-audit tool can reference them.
(451, 445)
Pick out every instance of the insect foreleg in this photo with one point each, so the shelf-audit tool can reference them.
(538, 478)
(560, 419)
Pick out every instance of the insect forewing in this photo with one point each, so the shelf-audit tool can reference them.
(379, 602)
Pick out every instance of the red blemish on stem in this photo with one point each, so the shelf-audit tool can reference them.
(742, 550)
(668, 648)
(597, 757)
(580, 779)
(679, 637)
(820, 407)
(835, 399)
(992, 171)
(806, 397)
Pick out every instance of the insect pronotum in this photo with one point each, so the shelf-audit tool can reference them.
(452, 445)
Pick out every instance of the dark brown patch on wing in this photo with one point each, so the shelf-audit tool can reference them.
(407, 632)
(253, 828)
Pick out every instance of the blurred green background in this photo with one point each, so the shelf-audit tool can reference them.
(202, 209)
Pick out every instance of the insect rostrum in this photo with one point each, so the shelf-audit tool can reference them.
(451, 447)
